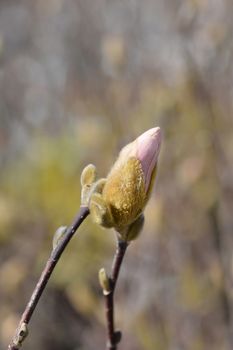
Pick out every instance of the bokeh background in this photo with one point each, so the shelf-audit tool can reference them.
(78, 80)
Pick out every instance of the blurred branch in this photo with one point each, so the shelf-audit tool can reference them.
(217, 234)
(22, 331)
(109, 284)
(218, 160)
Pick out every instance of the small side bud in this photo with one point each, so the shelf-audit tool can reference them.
(99, 185)
(133, 230)
(104, 281)
(88, 175)
(21, 335)
(58, 235)
(88, 178)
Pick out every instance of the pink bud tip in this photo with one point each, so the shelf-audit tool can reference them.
(148, 147)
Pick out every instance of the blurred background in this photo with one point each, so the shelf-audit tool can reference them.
(78, 80)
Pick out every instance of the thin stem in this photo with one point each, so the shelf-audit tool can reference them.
(113, 337)
(44, 278)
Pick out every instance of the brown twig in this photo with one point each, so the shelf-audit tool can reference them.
(21, 331)
(114, 337)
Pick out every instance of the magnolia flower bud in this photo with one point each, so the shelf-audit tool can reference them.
(128, 185)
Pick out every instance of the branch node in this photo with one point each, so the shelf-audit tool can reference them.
(20, 336)
(117, 337)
